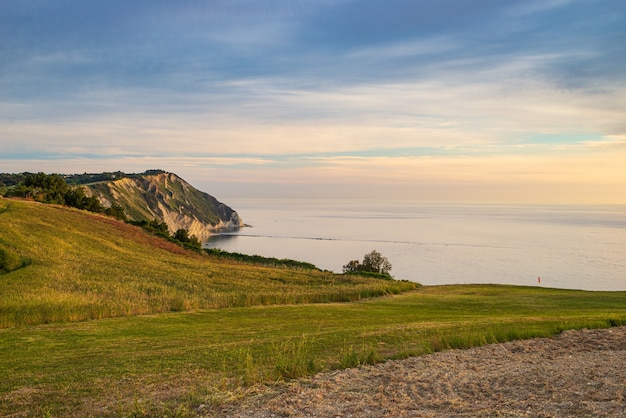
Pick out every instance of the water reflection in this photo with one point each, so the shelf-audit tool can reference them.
(219, 240)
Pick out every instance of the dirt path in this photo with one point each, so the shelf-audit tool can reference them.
(578, 373)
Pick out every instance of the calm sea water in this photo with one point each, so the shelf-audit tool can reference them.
(574, 247)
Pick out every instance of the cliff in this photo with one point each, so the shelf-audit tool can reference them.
(168, 198)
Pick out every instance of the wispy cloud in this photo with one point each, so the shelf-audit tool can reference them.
(407, 92)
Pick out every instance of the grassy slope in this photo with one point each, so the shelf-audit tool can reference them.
(131, 198)
(86, 266)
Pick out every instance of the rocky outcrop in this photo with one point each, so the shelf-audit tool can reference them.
(168, 198)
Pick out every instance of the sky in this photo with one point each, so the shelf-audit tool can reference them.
(448, 100)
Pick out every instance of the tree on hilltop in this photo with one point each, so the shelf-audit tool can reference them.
(48, 188)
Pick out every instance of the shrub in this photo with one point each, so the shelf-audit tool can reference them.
(117, 211)
(76, 198)
(10, 261)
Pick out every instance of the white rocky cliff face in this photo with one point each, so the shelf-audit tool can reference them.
(170, 199)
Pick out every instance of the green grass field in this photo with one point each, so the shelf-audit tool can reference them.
(168, 364)
(234, 325)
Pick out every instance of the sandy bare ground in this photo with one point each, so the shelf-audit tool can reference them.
(576, 374)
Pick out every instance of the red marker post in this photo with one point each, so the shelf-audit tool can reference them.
(538, 281)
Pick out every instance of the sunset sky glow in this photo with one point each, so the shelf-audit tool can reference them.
(450, 100)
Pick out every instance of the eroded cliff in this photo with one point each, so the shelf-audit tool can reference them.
(168, 198)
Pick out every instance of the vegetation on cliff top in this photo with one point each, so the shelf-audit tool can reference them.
(144, 197)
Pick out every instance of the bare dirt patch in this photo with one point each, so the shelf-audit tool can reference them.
(577, 373)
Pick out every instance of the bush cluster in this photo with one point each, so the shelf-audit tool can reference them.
(10, 261)
(373, 264)
(52, 188)
(181, 236)
(260, 260)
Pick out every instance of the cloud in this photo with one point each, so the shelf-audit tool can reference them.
(402, 93)
(259, 118)
(534, 7)
(608, 143)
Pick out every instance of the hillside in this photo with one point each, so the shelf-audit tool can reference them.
(165, 196)
(61, 264)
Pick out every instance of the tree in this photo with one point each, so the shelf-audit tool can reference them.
(188, 241)
(376, 263)
(352, 267)
(48, 188)
(117, 211)
(181, 235)
(373, 262)
(19, 191)
(160, 228)
(77, 198)
(92, 204)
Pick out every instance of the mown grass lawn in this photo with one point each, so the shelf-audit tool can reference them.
(169, 364)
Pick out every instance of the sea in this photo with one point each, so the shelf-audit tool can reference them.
(570, 247)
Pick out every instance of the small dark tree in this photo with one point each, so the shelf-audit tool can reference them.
(117, 211)
(92, 204)
(77, 198)
(188, 241)
(194, 242)
(74, 197)
(352, 267)
(160, 228)
(19, 191)
(181, 235)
